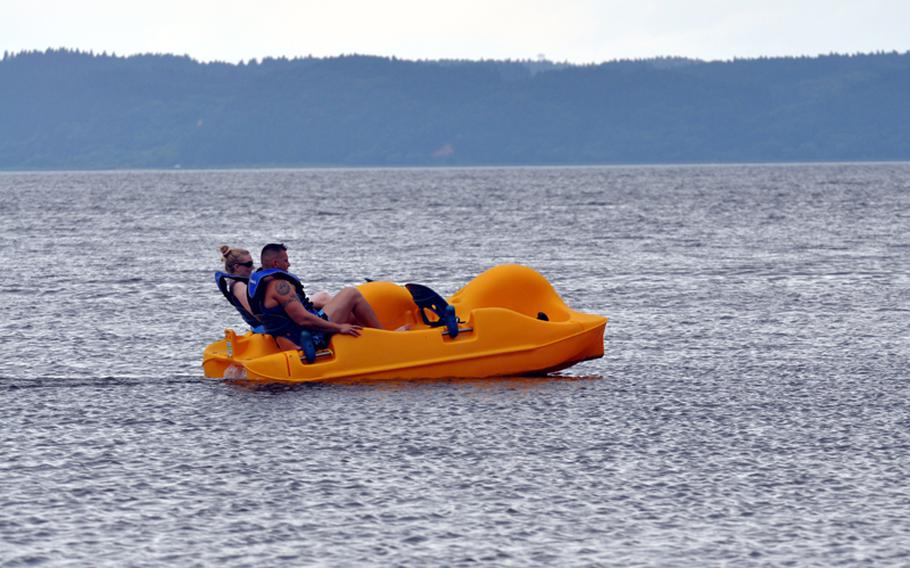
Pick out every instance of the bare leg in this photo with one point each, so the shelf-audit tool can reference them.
(349, 306)
(321, 299)
(286, 344)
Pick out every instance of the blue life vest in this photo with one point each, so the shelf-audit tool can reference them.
(221, 280)
(274, 319)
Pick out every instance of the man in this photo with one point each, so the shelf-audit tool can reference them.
(277, 297)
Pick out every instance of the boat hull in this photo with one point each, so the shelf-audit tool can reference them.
(493, 340)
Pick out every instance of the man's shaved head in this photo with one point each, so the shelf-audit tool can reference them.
(270, 253)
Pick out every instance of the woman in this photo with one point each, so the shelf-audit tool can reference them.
(238, 265)
(237, 262)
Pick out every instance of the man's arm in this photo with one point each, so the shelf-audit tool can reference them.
(286, 296)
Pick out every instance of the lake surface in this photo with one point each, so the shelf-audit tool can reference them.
(751, 407)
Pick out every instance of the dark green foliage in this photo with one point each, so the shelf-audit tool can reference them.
(68, 109)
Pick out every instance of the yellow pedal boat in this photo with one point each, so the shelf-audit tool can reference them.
(510, 322)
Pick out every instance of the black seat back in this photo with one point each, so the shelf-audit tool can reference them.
(427, 299)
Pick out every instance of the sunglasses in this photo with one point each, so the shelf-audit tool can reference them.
(248, 264)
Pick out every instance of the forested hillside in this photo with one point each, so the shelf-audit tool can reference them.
(64, 109)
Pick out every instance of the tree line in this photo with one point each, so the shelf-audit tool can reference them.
(65, 109)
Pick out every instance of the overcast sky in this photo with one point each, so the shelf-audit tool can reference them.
(579, 31)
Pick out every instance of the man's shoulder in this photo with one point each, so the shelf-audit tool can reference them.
(280, 287)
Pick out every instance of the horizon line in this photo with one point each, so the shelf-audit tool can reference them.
(315, 167)
(541, 60)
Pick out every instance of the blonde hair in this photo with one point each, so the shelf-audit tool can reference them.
(231, 256)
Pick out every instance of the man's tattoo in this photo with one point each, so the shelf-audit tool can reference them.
(290, 300)
(283, 288)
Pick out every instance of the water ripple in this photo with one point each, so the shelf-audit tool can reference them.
(750, 408)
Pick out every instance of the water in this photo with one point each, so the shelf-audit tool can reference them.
(751, 408)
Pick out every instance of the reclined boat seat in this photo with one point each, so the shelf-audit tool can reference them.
(221, 280)
(427, 299)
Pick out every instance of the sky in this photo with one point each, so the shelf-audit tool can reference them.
(577, 31)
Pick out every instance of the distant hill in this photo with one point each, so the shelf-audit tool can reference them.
(63, 109)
